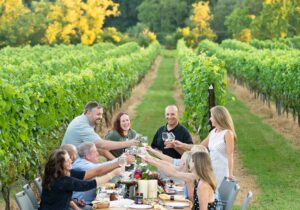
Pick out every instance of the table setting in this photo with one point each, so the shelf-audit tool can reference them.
(140, 187)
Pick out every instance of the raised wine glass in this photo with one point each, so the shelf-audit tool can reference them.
(171, 136)
(144, 141)
(165, 136)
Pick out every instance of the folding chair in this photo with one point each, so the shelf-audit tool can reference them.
(228, 191)
(247, 200)
(27, 189)
(38, 184)
(23, 201)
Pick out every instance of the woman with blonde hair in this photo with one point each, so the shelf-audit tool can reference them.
(220, 143)
(205, 186)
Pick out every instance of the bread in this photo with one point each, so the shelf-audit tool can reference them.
(100, 205)
(109, 185)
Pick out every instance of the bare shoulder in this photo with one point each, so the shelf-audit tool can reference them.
(229, 135)
(203, 187)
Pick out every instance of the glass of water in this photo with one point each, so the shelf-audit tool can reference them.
(122, 161)
(164, 136)
(144, 141)
(171, 136)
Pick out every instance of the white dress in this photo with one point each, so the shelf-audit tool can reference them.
(218, 154)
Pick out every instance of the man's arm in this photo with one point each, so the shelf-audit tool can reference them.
(107, 154)
(111, 145)
(179, 150)
(101, 170)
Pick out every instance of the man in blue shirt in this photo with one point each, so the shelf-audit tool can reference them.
(88, 159)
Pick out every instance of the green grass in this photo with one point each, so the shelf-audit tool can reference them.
(150, 113)
(270, 158)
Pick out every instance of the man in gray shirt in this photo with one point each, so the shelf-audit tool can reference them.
(82, 129)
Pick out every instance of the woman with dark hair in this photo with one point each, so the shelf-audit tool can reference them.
(59, 181)
(121, 132)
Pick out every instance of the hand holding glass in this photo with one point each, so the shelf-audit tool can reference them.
(122, 161)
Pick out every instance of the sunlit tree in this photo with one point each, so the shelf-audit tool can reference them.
(73, 21)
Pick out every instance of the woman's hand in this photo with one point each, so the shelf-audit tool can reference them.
(130, 159)
(150, 149)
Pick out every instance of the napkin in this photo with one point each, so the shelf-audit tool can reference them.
(121, 203)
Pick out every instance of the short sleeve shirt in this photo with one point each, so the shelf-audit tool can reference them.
(181, 134)
(80, 130)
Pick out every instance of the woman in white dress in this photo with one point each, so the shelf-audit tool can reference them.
(220, 143)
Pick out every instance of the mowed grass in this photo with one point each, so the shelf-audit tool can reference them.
(150, 113)
(270, 158)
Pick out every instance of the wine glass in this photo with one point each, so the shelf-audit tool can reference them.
(171, 136)
(121, 190)
(164, 136)
(144, 141)
(122, 161)
(138, 136)
(128, 151)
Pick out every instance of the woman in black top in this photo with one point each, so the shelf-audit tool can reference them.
(59, 181)
(205, 187)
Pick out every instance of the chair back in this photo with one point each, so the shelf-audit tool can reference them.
(247, 200)
(28, 190)
(38, 184)
(228, 191)
(23, 201)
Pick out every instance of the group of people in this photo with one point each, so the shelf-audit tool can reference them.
(204, 166)
(69, 181)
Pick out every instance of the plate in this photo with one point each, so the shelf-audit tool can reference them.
(177, 204)
(140, 206)
(121, 203)
(179, 188)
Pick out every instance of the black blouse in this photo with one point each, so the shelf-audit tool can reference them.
(60, 195)
(210, 206)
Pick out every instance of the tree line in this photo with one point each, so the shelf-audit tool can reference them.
(83, 21)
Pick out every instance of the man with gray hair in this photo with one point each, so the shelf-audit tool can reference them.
(88, 159)
(82, 129)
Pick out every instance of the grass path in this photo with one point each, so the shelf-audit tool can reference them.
(150, 113)
(269, 157)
